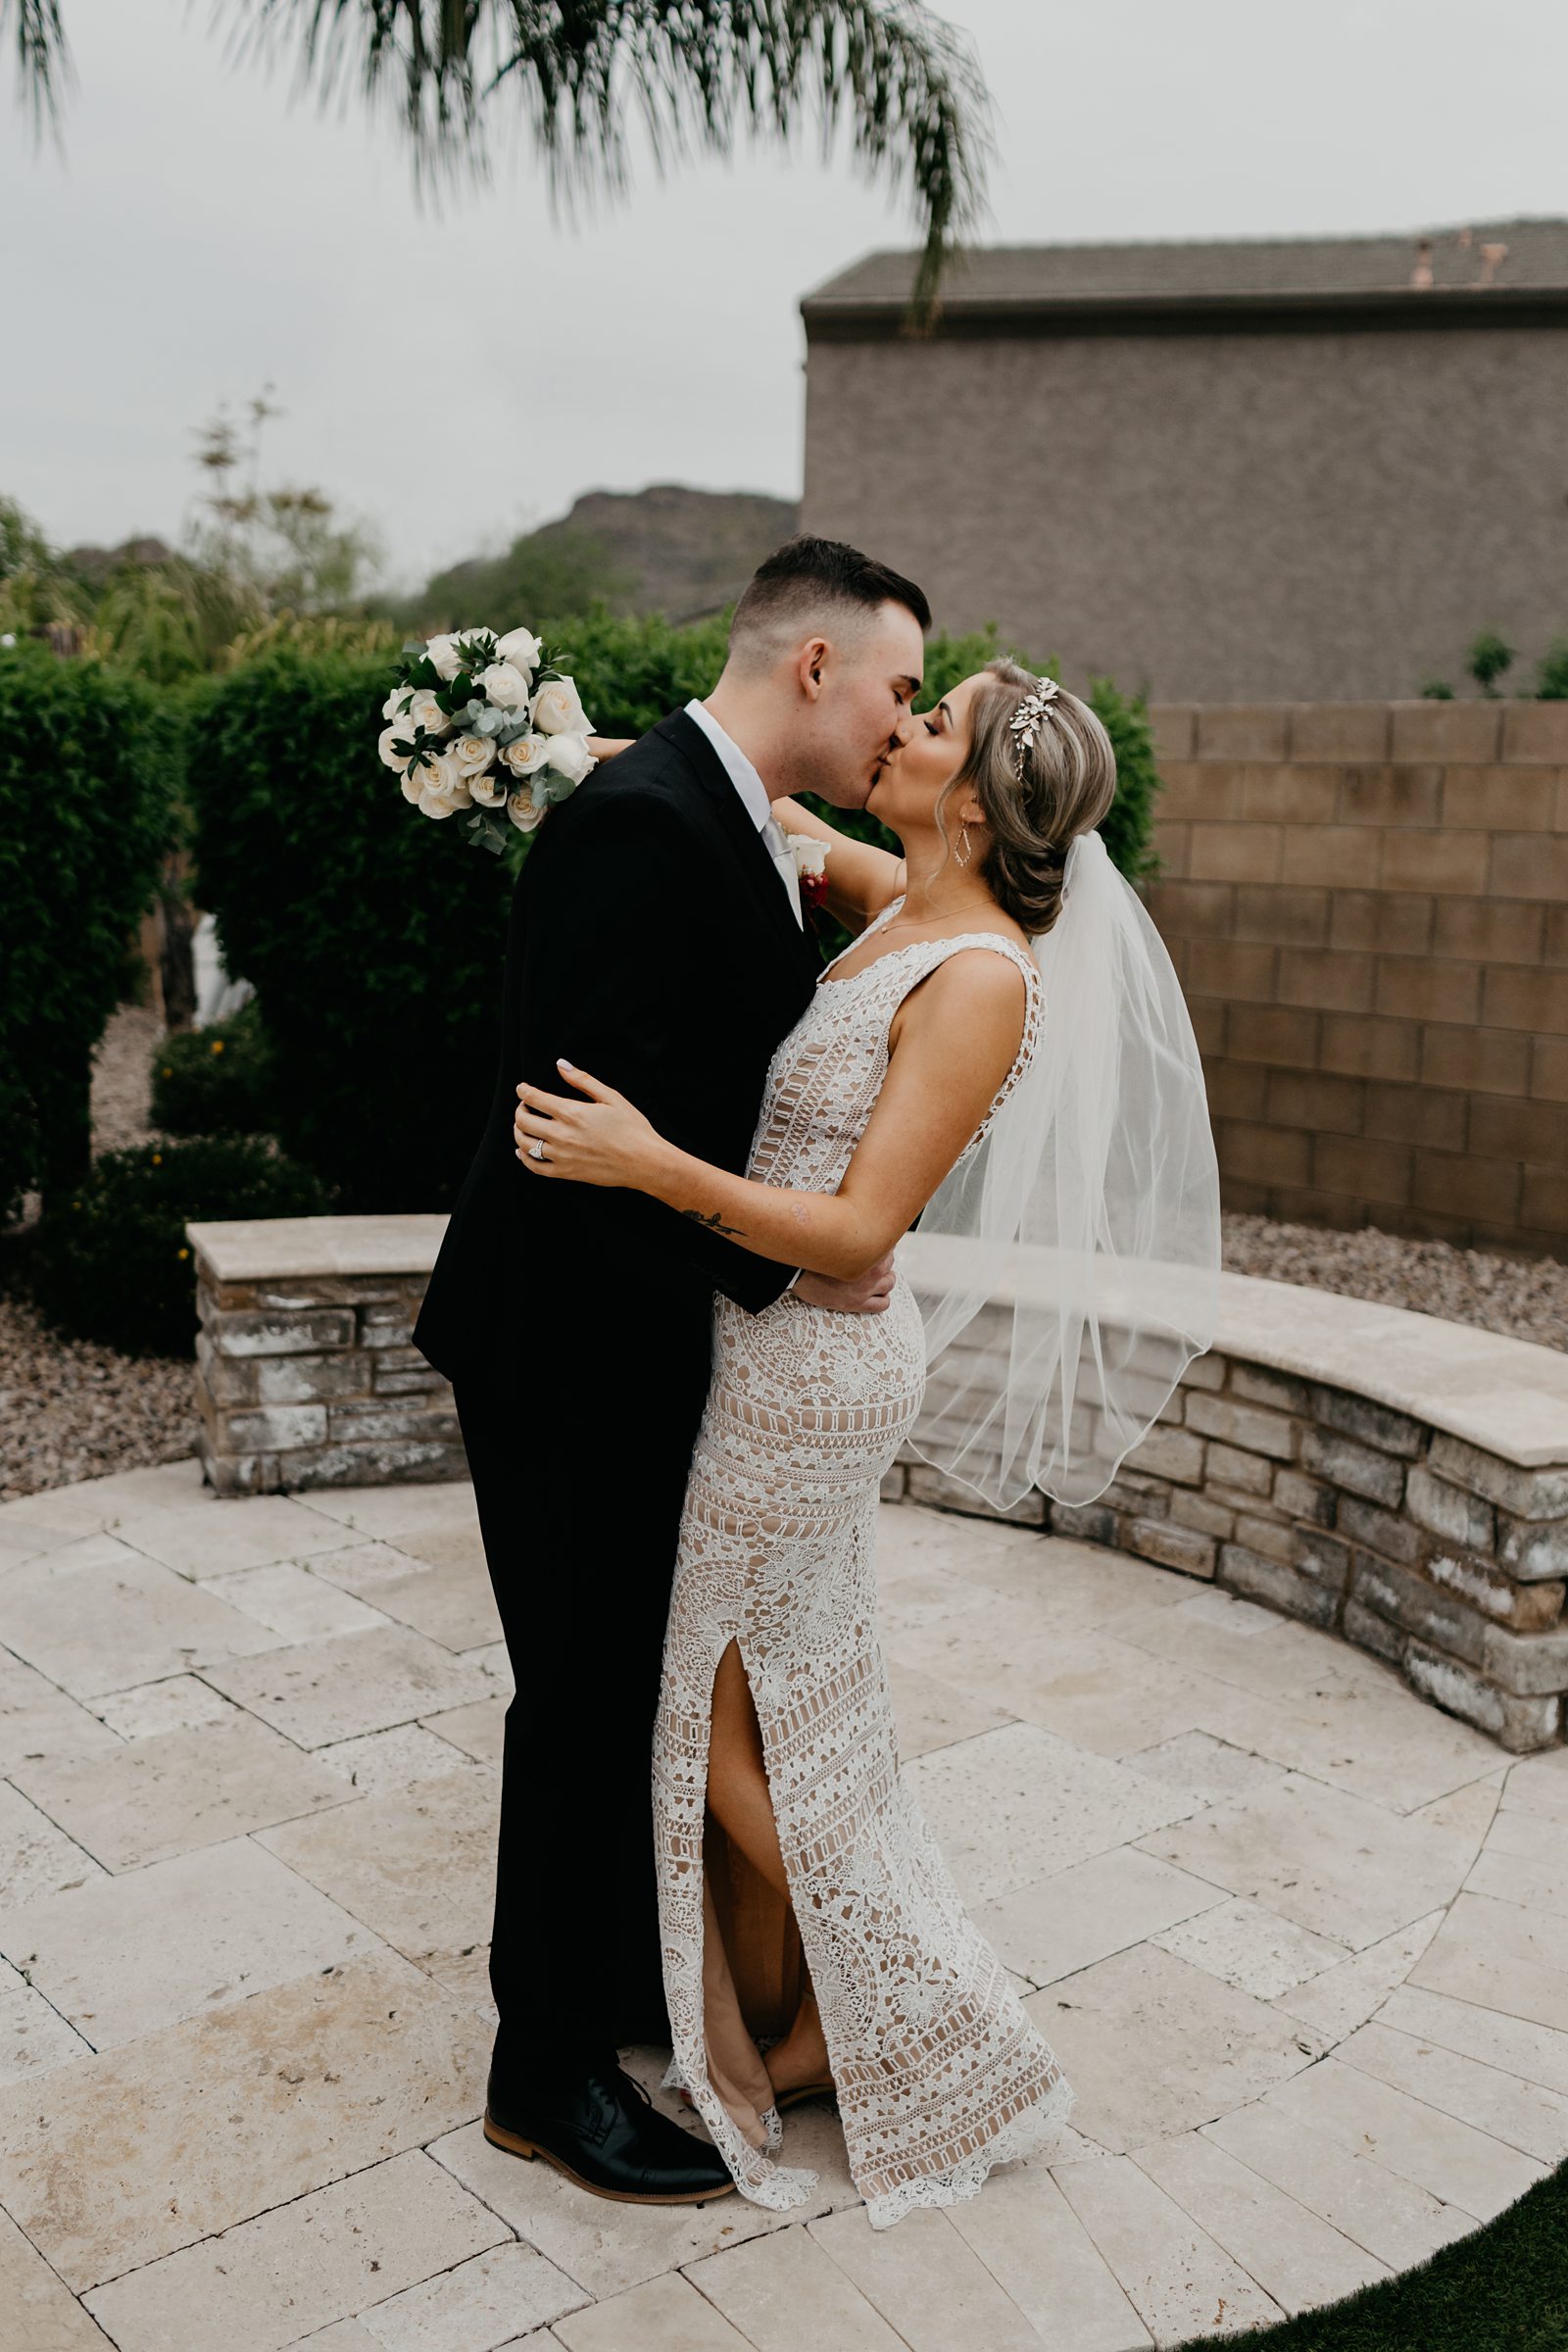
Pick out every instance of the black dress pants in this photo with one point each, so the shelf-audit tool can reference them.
(579, 1471)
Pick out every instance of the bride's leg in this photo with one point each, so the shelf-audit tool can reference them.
(742, 1803)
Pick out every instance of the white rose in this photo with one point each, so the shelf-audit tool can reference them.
(503, 685)
(395, 703)
(442, 791)
(525, 754)
(384, 742)
(487, 788)
(808, 854)
(570, 756)
(442, 655)
(519, 647)
(522, 812)
(557, 709)
(472, 753)
(425, 711)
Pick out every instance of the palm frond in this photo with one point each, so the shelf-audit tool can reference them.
(698, 75)
(44, 63)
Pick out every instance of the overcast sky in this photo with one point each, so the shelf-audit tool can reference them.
(454, 378)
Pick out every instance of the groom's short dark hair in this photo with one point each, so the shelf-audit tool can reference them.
(806, 578)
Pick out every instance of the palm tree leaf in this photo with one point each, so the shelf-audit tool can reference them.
(43, 64)
(698, 75)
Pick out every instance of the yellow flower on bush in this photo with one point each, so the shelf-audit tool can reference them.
(167, 1073)
(158, 1159)
(184, 1253)
(217, 1045)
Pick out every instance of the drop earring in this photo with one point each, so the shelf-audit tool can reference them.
(964, 853)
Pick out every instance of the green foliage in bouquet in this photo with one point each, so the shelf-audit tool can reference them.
(373, 938)
(215, 1081)
(89, 763)
(110, 1260)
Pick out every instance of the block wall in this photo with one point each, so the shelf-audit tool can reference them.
(1368, 907)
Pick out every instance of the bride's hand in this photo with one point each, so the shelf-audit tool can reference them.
(604, 1140)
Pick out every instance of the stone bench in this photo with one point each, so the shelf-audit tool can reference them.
(1397, 1479)
(305, 1374)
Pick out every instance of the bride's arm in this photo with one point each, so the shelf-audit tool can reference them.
(605, 746)
(861, 877)
(954, 1043)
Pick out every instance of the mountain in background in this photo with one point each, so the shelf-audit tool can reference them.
(682, 553)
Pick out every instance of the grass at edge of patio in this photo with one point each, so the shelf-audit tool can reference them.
(1505, 2289)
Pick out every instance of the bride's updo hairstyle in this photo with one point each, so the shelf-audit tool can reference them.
(1067, 784)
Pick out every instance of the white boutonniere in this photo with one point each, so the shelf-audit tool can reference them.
(810, 866)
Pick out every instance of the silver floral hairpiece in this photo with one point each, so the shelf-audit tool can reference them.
(1026, 721)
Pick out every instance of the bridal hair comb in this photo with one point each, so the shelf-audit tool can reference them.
(1026, 721)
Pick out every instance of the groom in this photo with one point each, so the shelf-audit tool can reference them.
(657, 939)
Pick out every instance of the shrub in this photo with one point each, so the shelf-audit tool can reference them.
(632, 674)
(214, 1080)
(1552, 679)
(89, 779)
(1488, 659)
(111, 1261)
(374, 937)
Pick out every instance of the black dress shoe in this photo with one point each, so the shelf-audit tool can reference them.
(604, 2132)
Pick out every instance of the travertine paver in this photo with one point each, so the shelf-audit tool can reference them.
(176, 1789)
(1301, 1941)
(294, 2268)
(148, 2147)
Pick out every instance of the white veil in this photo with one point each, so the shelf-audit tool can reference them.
(1067, 1270)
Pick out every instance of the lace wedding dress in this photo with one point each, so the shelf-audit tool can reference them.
(939, 2073)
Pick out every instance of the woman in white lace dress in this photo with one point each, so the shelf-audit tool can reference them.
(775, 1727)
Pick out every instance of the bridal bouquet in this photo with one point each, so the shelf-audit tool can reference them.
(486, 724)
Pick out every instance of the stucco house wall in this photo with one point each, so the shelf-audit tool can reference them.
(1230, 496)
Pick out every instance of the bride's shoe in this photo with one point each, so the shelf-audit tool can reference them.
(802, 2091)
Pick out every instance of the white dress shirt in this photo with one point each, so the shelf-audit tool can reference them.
(754, 797)
(759, 807)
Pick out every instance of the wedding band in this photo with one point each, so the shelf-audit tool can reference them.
(536, 1150)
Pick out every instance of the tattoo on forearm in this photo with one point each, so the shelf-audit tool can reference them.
(714, 1224)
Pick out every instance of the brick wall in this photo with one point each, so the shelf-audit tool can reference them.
(1368, 907)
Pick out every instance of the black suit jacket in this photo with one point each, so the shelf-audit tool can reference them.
(652, 942)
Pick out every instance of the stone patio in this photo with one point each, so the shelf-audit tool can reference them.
(1299, 1939)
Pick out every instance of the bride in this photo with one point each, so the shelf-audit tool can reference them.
(775, 1756)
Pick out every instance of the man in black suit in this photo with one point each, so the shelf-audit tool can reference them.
(656, 939)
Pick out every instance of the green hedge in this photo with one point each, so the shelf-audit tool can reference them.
(374, 938)
(110, 1260)
(89, 762)
(220, 1080)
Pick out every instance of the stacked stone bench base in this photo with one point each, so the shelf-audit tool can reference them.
(1446, 1560)
(1401, 1480)
(310, 1379)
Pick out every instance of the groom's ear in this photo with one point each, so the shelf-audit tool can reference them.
(810, 665)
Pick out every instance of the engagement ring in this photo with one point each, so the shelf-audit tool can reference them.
(536, 1150)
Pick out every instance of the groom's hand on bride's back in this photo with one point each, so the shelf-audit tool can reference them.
(867, 1294)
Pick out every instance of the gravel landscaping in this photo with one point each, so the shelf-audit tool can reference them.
(70, 1411)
